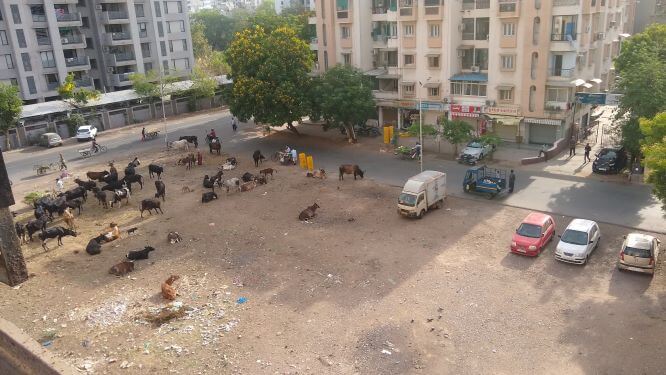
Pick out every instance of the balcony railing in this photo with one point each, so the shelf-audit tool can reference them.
(48, 64)
(433, 3)
(143, 34)
(39, 18)
(117, 15)
(478, 4)
(562, 3)
(43, 41)
(121, 36)
(71, 39)
(83, 82)
(314, 40)
(121, 79)
(563, 37)
(379, 10)
(68, 17)
(482, 4)
(76, 61)
(559, 72)
(127, 56)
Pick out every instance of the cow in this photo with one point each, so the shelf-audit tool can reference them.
(208, 197)
(88, 185)
(258, 158)
(151, 204)
(75, 204)
(133, 178)
(97, 176)
(350, 169)
(77, 192)
(140, 254)
(154, 169)
(179, 145)
(55, 232)
(161, 190)
(190, 139)
(119, 195)
(35, 225)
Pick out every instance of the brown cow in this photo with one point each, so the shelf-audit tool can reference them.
(122, 268)
(248, 186)
(97, 176)
(268, 171)
(350, 169)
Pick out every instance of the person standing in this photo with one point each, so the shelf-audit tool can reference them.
(143, 134)
(294, 156)
(586, 157)
(234, 125)
(512, 181)
(62, 163)
(59, 185)
(543, 151)
(572, 146)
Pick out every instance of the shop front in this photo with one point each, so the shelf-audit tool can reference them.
(432, 112)
(542, 130)
(504, 122)
(470, 114)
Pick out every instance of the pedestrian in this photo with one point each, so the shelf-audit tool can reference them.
(572, 147)
(59, 185)
(586, 158)
(294, 155)
(62, 163)
(143, 134)
(512, 181)
(234, 125)
(543, 151)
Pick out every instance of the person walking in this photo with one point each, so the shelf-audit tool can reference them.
(543, 151)
(572, 147)
(512, 181)
(234, 125)
(143, 134)
(62, 163)
(586, 157)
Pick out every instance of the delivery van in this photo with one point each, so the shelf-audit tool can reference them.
(423, 192)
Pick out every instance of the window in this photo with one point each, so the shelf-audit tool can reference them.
(48, 60)
(6, 62)
(163, 48)
(178, 45)
(346, 59)
(16, 15)
(32, 88)
(3, 38)
(323, 27)
(433, 91)
(138, 9)
(433, 30)
(181, 64)
(482, 28)
(408, 30)
(147, 67)
(325, 59)
(1, 16)
(468, 88)
(506, 95)
(37, 12)
(408, 59)
(27, 66)
(344, 30)
(160, 29)
(20, 36)
(408, 90)
(143, 29)
(433, 61)
(145, 49)
(93, 63)
(473, 58)
(508, 29)
(89, 43)
(557, 94)
(468, 29)
(176, 26)
(158, 13)
(165, 65)
(564, 28)
(507, 62)
(507, 7)
(85, 22)
(532, 100)
(536, 30)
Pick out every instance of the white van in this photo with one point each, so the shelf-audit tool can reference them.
(423, 192)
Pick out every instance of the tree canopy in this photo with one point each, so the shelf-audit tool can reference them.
(11, 106)
(456, 132)
(344, 98)
(77, 96)
(654, 149)
(270, 74)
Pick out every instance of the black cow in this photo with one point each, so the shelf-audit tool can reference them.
(208, 197)
(258, 158)
(209, 183)
(191, 139)
(109, 178)
(35, 226)
(55, 232)
(133, 178)
(94, 246)
(151, 204)
(113, 186)
(75, 203)
(57, 205)
(140, 254)
(247, 177)
(39, 212)
(88, 185)
(161, 190)
(77, 192)
(155, 169)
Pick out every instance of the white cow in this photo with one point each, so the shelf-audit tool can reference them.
(180, 145)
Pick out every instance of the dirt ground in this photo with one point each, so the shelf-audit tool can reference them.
(359, 290)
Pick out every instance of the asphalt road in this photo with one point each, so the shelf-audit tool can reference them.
(630, 205)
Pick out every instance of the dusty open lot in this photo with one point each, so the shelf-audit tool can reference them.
(357, 291)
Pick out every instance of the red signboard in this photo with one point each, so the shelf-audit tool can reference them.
(459, 108)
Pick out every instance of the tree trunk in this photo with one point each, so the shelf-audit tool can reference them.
(291, 127)
(351, 134)
(7, 146)
(13, 270)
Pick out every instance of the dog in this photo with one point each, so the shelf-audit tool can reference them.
(174, 237)
(140, 254)
(131, 230)
(122, 268)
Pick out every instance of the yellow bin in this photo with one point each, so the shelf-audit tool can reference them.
(391, 132)
(387, 134)
(302, 161)
(310, 163)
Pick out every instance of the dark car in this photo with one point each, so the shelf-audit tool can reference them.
(610, 160)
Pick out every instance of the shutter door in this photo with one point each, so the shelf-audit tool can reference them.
(506, 132)
(542, 134)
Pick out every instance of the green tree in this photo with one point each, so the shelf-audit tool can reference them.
(270, 75)
(76, 96)
(345, 98)
(428, 130)
(11, 106)
(218, 28)
(456, 132)
(654, 149)
(203, 86)
(150, 87)
(200, 46)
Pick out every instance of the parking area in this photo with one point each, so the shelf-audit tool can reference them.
(359, 290)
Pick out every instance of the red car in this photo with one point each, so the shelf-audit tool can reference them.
(533, 234)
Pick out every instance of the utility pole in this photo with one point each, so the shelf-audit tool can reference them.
(13, 270)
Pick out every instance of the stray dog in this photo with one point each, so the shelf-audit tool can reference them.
(174, 237)
(268, 171)
(131, 230)
(186, 189)
(140, 254)
(122, 268)
(308, 213)
(168, 291)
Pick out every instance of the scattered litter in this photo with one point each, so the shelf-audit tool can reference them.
(112, 360)
(175, 348)
(265, 192)
(17, 287)
(286, 233)
(125, 364)
(107, 314)
(387, 352)
(448, 209)
(211, 224)
(241, 300)
(86, 365)
(48, 337)
(85, 343)
(47, 343)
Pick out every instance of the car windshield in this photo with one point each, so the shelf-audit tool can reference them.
(475, 145)
(84, 130)
(575, 237)
(529, 230)
(639, 253)
(407, 199)
(608, 155)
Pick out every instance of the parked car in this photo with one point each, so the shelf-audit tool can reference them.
(639, 253)
(86, 133)
(578, 241)
(610, 160)
(50, 140)
(475, 151)
(533, 234)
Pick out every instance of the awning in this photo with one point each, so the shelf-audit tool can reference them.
(543, 121)
(505, 120)
(387, 48)
(505, 86)
(587, 85)
(375, 72)
(473, 77)
(388, 76)
(464, 114)
(577, 82)
(596, 80)
(432, 84)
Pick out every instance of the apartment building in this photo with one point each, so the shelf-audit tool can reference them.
(100, 42)
(285, 4)
(511, 67)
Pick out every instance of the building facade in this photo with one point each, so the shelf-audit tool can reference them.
(100, 42)
(509, 67)
(284, 4)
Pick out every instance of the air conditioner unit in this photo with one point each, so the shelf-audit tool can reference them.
(475, 69)
(109, 70)
(106, 49)
(98, 7)
(599, 36)
(461, 53)
(64, 40)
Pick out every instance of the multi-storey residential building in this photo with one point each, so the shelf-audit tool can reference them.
(510, 67)
(284, 4)
(100, 42)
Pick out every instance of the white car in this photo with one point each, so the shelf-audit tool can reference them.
(474, 151)
(86, 133)
(639, 253)
(577, 241)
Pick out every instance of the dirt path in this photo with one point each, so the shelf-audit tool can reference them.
(358, 290)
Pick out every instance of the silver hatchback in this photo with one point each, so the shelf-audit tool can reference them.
(639, 253)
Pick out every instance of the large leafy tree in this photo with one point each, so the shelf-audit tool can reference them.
(456, 132)
(654, 149)
(345, 98)
(11, 106)
(270, 75)
(76, 96)
(641, 67)
(217, 28)
(203, 86)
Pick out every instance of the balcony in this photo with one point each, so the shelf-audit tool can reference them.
(48, 64)
(508, 8)
(314, 43)
(433, 9)
(83, 82)
(118, 38)
(121, 79)
(565, 3)
(119, 59)
(475, 4)
(67, 1)
(52, 86)
(69, 19)
(561, 73)
(73, 41)
(43, 41)
(115, 17)
(77, 63)
(39, 18)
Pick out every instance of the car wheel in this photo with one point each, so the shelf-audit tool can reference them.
(587, 257)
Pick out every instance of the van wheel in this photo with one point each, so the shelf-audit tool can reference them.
(421, 214)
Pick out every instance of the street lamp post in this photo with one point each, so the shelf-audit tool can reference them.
(421, 127)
